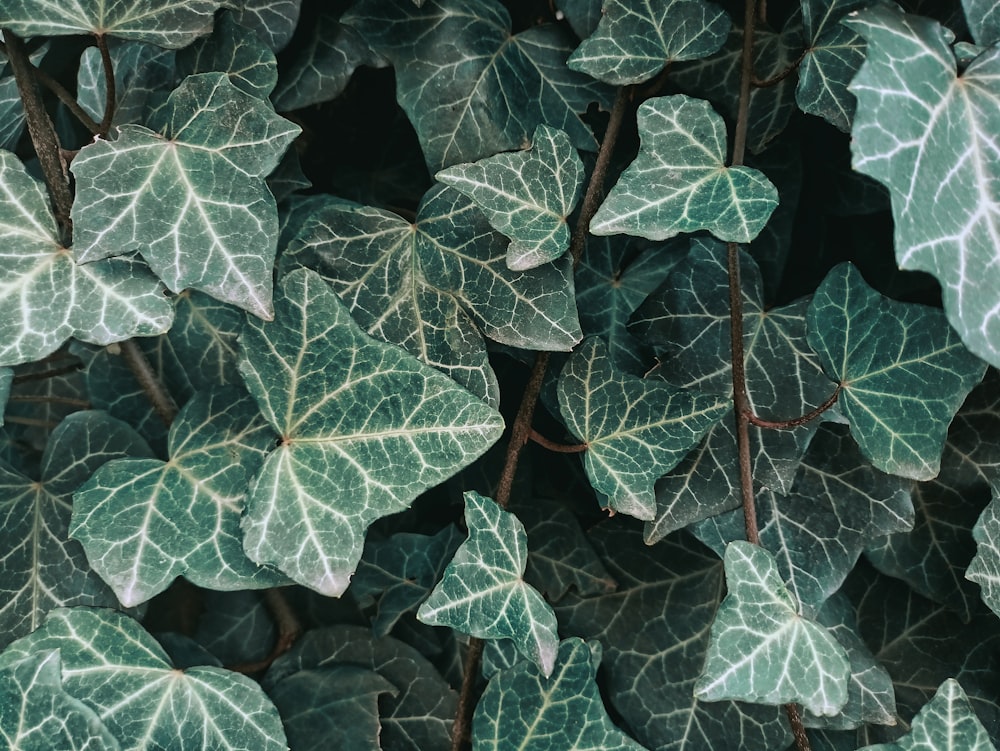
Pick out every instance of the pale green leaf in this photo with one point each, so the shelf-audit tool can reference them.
(636, 39)
(483, 592)
(464, 79)
(36, 713)
(946, 723)
(363, 429)
(527, 196)
(903, 371)
(143, 73)
(679, 181)
(437, 286)
(523, 710)
(983, 17)
(118, 670)
(273, 20)
(985, 567)
(145, 522)
(167, 24)
(763, 650)
(233, 50)
(45, 297)
(928, 134)
(190, 198)
(636, 430)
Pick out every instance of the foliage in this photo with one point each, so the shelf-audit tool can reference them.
(305, 311)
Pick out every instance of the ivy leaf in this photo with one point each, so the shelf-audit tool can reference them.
(983, 17)
(147, 191)
(636, 39)
(43, 568)
(455, 56)
(142, 72)
(117, 669)
(526, 195)
(6, 379)
(947, 723)
(483, 593)
(523, 709)
(236, 627)
(170, 25)
(231, 49)
(679, 181)
(432, 286)
(903, 372)
(937, 159)
(45, 297)
(985, 567)
(36, 713)
(145, 522)
(636, 430)
(360, 435)
(583, 15)
(273, 20)
(762, 650)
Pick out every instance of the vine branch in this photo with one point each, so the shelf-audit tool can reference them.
(110, 93)
(795, 422)
(289, 630)
(562, 448)
(141, 368)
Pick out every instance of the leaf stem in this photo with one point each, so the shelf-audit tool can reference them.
(43, 375)
(159, 397)
(45, 399)
(111, 94)
(562, 448)
(289, 630)
(778, 78)
(795, 422)
(42, 132)
(798, 729)
(461, 728)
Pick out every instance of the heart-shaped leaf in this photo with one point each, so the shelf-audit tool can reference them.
(149, 191)
(636, 430)
(526, 195)
(364, 428)
(118, 670)
(762, 650)
(483, 592)
(927, 133)
(636, 39)
(523, 709)
(903, 371)
(985, 567)
(679, 181)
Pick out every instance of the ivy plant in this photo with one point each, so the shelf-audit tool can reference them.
(447, 374)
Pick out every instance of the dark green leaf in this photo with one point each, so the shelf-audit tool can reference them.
(236, 627)
(234, 50)
(985, 567)
(142, 72)
(273, 20)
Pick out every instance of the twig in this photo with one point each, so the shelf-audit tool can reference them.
(798, 729)
(46, 399)
(160, 398)
(562, 448)
(795, 422)
(111, 94)
(46, 374)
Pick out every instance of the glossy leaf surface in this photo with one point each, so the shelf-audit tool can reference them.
(984, 569)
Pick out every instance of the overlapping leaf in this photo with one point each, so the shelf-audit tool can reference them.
(947, 723)
(636, 430)
(432, 286)
(45, 297)
(43, 568)
(470, 87)
(927, 133)
(679, 181)
(364, 428)
(273, 20)
(143, 73)
(233, 50)
(145, 522)
(11, 110)
(636, 39)
(118, 670)
(763, 650)
(985, 567)
(171, 25)
(525, 710)
(526, 195)
(483, 593)
(191, 198)
(902, 369)
(236, 627)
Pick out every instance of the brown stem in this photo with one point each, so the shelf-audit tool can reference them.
(45, 399)
(111, 95)
(46, 374)
(562, 448)
(460, 730)
(31, 422)
(160, 398)
(289, 630)
(798, 729)
(795, 422)
(778, 78)
(42, 132)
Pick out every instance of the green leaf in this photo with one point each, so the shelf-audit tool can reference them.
(985, 567)
(459, 57)
(437, 286)
(36, 714)
(483, 593)
(526, 195)
(636, 39)
(927, 133)
(236, 627)
(144, 522)
(903, 372)
(117, 669)
(43, 568)
(583, 15)
(526, 710)
(45, 297)
(636, 430)
(983, 17)
(171, 25)
(831, 60)
(416, 717)
(360, 436)
(149, 191)
(273, 20)
(11, 109)
(142, 72)
(233, 50)
(679, 181)
(946, 723)
(762, 650)
(6, 379)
